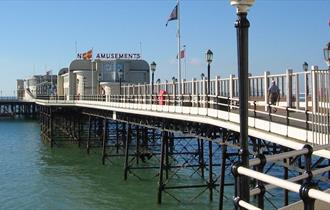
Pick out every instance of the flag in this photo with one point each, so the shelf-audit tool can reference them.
(88, 55)
(182, 54)
(49, 72)
(173, 15)
(329, 22)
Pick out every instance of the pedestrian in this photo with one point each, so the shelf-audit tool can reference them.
(273, 94)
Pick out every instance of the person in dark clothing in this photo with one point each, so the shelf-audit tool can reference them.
(273, 94)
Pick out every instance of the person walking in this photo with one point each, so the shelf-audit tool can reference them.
(273, 94)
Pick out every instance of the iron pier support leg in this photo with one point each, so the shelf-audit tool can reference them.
(286, 175)
(137, 144)
(167, 163)
(51, 128)
(201, 156)
(223, 170)
(128, 139)
(161, 167)
(104, 142)
(89, 134)
(210, 184)
(117, 137)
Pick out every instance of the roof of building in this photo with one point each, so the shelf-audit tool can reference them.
(80, 65)
(63, 71)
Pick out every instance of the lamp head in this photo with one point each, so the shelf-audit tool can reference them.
(242, 5)
(326, 52)
(209, 56)
(305, 66)
(174, 79)
(202, 75)
(153, 66)
(120, 71)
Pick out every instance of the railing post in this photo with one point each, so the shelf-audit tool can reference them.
(255, 109)
(315, 103)
(289, 88)
(297, 92)
(174, 94)
(266, 85)
(231, 85)
(145, 93)
(193, 91)
(216, 93)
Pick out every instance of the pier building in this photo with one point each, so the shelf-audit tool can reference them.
(39, 85)
(85, 77)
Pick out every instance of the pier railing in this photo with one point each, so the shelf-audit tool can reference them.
(216, 107)
(295, 88)
(304, 101)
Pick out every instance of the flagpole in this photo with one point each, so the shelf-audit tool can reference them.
(185, 62)
(179, 48)
(92, 73)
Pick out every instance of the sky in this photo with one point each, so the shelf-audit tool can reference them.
(41, 35)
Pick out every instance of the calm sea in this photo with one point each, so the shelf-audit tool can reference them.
(34, 176)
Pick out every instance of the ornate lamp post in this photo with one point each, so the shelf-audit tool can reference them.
(242, 26)
(153, 69)
(209, 58)
(326, 52)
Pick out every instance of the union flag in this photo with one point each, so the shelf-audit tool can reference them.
(88, 55)
(173, 15)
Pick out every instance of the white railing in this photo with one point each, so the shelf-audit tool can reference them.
(216, 107)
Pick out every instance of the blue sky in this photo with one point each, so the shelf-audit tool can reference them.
(40, 35)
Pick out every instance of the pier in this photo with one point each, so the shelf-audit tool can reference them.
(197, 131)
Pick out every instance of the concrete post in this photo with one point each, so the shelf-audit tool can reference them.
(217, 86)
(315, 103)
(297, 91)
(289, 87)
(231, 86)
(257, 85)
(166, 85)
(145, 93)
(204, 90)
(193, 90)
(183, 88)
(266, 86)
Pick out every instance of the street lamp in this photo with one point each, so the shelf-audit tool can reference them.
(153, 69)
(305, 68)
(242, 27)
(120, 76)
(202, 75)
(209, 58)
(326, 52)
